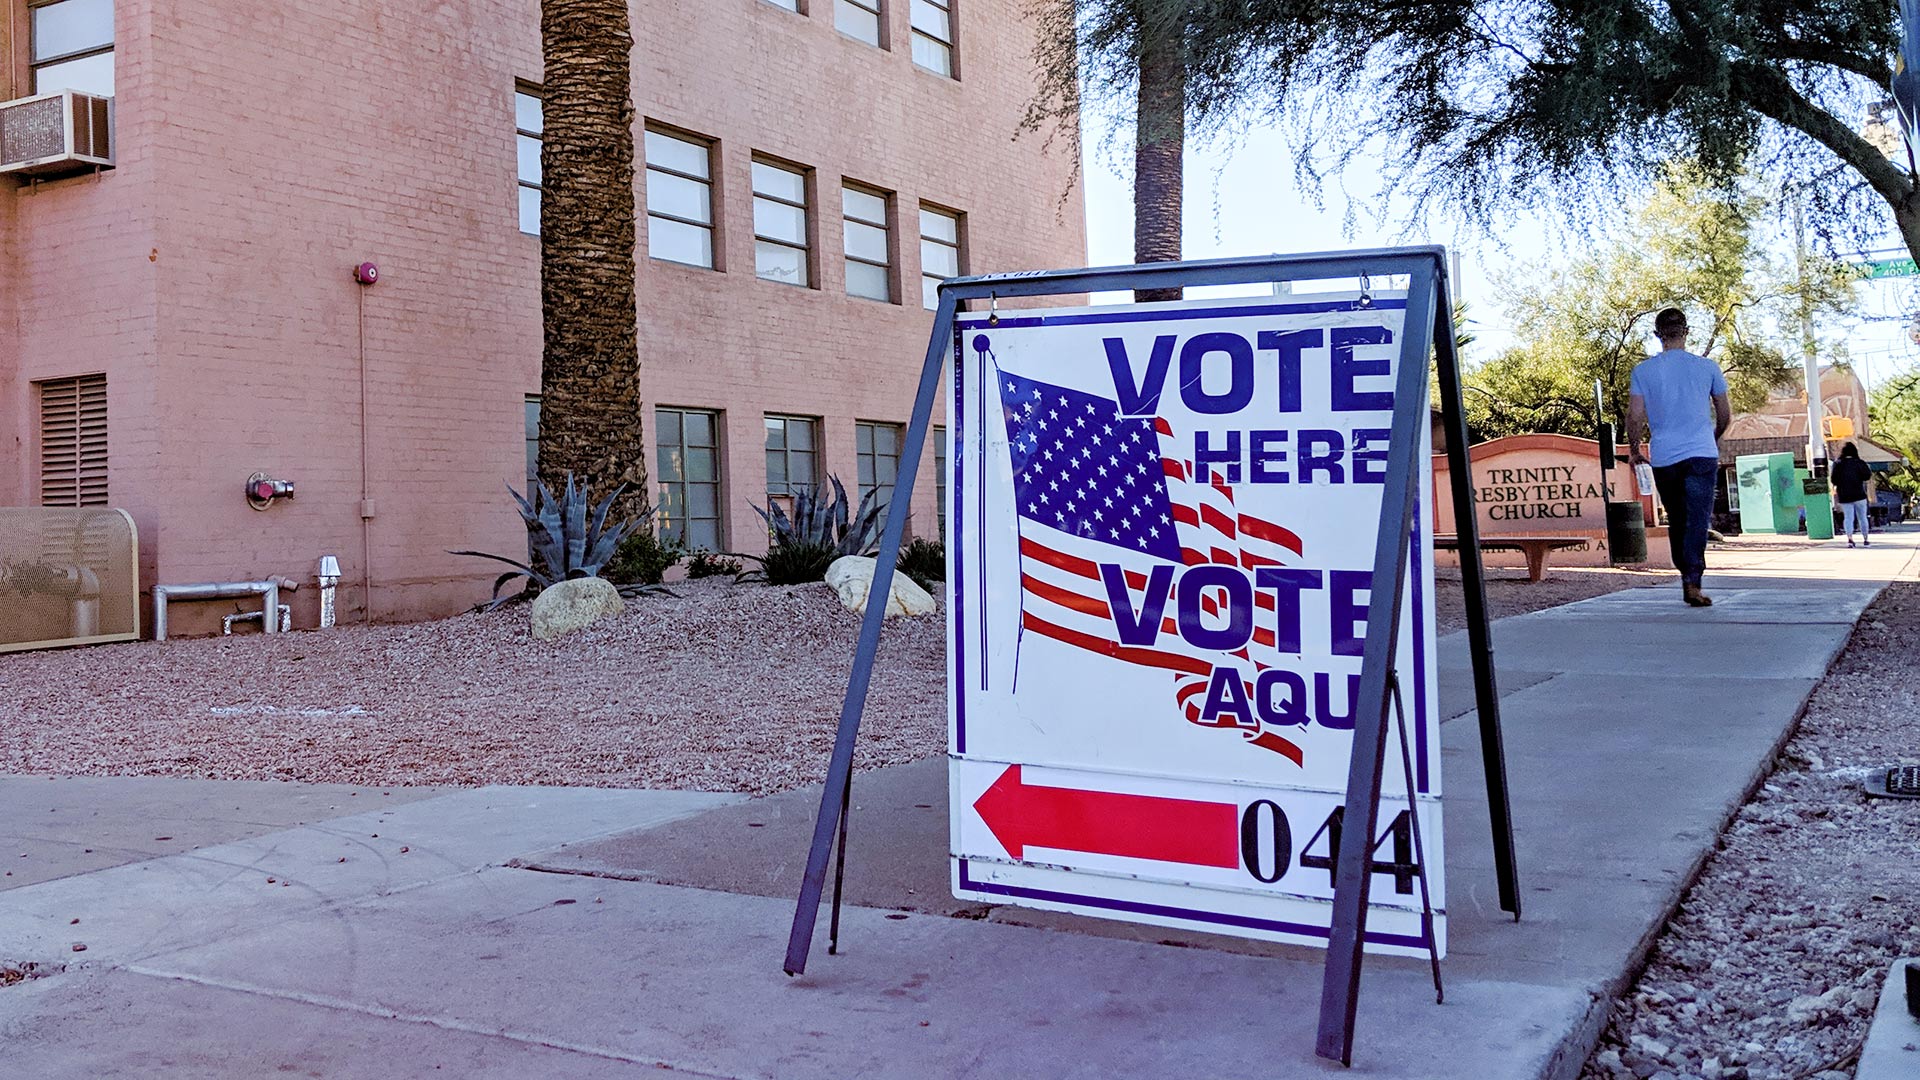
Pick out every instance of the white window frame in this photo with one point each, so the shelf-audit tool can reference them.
(36, 63)
(777, 199)
(538, 135)
(864, 14)
(705, 180)
(924, 38)
(852, 221)
(929, 280)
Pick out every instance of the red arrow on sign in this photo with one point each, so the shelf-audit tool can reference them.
(1108, 823)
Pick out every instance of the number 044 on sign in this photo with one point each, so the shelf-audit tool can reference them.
(1162, 520)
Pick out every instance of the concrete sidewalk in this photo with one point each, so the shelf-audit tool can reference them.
(1635, 726)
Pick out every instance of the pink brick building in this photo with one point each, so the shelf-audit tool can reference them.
(264, 148)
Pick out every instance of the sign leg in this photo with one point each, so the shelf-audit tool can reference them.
(1473, 586)
(839, 867)
(1419, 848)
(806, 910)
(1353, 871)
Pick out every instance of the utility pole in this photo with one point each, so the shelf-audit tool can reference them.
(1816, 434)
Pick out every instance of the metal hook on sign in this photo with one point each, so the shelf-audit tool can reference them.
(993, 309)
(1366, 292)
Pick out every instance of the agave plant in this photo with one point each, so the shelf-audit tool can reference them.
(825, 521)
(818, 531)
(568, 537)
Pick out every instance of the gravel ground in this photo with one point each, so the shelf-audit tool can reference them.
(1774, 963)
(726, 688)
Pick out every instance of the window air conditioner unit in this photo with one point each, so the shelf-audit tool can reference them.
(56, 134)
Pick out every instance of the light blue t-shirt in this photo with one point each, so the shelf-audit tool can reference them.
(1678, 387)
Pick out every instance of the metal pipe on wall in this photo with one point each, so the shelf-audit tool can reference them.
(269, 589)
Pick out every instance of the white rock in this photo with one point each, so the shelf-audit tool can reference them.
(851, 577)
(570, 605)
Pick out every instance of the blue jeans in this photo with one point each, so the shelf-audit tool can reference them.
(1686, 490)
(1855, 516)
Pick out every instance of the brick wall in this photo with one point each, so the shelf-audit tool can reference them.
(267, 148)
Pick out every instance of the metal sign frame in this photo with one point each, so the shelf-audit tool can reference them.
(1428, 330)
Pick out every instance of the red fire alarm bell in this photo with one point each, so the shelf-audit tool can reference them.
(366, 273)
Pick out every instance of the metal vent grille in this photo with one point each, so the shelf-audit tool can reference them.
(73, 441)
(57, 134)
(33, 129)
(68, 576)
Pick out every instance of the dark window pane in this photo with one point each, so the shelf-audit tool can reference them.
(699, 427)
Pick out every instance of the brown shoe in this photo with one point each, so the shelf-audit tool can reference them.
(1694, 597)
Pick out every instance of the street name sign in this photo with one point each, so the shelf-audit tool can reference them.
(1162, 530)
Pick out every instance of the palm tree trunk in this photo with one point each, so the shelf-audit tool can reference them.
(590, 419)
(1160, 138)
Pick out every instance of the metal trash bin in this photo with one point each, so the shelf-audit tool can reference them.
(1626, 534)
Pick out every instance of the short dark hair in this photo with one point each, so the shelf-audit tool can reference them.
(1849, 451)
(1670, 322)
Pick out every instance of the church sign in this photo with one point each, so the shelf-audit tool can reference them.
(1539, 485)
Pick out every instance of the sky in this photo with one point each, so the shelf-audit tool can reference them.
(1241, 200)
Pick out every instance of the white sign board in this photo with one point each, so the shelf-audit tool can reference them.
(1162, 529)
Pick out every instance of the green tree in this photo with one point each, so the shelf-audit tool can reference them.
(1894, 410)
(1691, 246)
(590, 422)
(1509, 103)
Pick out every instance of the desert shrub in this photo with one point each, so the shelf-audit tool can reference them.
(925, 561)
(710, 564)
(796, 563)
(643, 558)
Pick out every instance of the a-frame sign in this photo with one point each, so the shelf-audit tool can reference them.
(1189, 597)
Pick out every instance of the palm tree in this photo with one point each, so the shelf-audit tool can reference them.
(1160, 141)
(590, 420)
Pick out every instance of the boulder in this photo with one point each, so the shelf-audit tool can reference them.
(851, 577)
(569, 605)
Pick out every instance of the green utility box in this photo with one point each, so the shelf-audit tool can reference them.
(1818, 496)
(1770, 494)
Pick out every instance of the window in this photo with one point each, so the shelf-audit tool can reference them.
(73, 441)
(533, 443)
(72, 46)
(679, 199)
(939, 252)
(940, 478)
(780, 223)
(933, 35)
(790, 5)
(868, 274)
(858, 19)
(793, 458)
(877, 447)
(528, 123)
(689, 509)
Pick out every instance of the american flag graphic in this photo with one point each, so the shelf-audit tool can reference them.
(1094, 487)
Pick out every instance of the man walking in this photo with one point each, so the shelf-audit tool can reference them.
(1681, 399)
